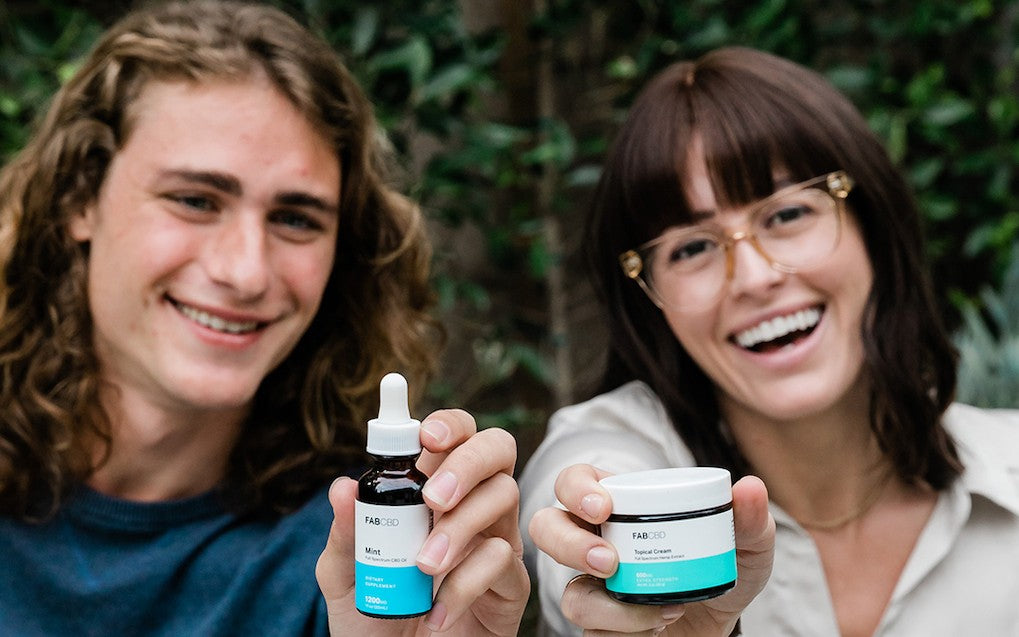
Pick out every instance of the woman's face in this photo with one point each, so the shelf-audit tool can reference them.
(211, 242)
(780, 345)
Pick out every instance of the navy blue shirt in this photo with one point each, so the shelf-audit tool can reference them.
(104, 567)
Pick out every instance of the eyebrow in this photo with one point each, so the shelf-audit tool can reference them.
(697, 216)
(232, 186)
(305, 200)
(219, 181)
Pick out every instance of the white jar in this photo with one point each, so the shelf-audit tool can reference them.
(673, 530)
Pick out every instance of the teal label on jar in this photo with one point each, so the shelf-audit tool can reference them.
(649, 578)
(673, 556)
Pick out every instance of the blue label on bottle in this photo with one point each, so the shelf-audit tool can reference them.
(387, 580)
(675, 576)
(392, 591)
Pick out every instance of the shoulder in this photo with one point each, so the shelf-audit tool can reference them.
(988, 445)
(308, 520)
(626, 429)
(985, 433)
(629, 420)
(632, 406)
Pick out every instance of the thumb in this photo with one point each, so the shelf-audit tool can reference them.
(335, 568)
(755, 544)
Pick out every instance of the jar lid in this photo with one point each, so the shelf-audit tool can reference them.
(673, 490)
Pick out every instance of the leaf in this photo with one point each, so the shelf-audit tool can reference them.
(447, 81)
(365, 31)
(539, 259)
(532, 361)
(9, 106)
(500, 136)
(583, 176)
(896, 140)
(414, 58)
(978, 240)
(623, 67)
(851, 79)
(948, 112)
(939, 207)
(923, 173)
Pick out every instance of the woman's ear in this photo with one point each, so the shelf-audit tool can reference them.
(82, 223)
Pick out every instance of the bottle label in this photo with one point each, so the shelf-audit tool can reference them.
(387, 539)
(672, 557)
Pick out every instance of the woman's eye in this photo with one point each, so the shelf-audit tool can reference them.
(787, 215)
(689, 250)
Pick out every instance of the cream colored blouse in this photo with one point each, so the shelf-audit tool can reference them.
(961, 580)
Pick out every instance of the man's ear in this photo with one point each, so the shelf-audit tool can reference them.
(82, 222)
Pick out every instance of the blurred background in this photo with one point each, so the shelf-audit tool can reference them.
(500, 112)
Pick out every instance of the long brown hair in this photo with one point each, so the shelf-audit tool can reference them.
(308, 414)
(755, 111)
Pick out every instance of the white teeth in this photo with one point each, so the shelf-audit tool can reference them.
(778, 327)
(215, 322)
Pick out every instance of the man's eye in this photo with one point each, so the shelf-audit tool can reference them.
(194, 202)
(294, 220)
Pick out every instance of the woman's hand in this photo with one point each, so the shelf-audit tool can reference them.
(474, 550)
(569, 538)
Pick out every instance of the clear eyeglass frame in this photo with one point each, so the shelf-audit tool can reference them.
(837, 185)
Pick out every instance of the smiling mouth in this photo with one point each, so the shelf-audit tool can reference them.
(780, 331)
(216, 323)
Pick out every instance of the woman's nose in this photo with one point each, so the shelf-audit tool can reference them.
(750, 269)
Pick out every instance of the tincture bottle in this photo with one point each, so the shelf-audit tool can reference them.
(392, 521)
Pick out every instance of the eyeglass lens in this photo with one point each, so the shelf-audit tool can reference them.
(688, 267)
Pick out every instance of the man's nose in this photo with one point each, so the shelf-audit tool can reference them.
(237, 256)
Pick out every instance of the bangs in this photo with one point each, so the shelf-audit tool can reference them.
(747, 136)
(751, 136)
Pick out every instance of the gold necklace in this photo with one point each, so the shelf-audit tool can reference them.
(866, 505)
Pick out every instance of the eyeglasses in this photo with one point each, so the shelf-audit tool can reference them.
(795, 228)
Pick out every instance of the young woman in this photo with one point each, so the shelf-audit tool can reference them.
(760, 260)
(205, 276)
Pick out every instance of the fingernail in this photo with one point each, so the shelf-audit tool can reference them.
(437, 430)
(592, 505)
(672, 613)
(441, 488)
(341, 479)
(436, 617)
(434, 550)
(658, 631)
(601, 559)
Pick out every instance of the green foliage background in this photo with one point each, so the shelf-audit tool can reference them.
(500, 112)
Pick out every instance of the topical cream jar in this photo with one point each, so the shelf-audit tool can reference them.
(673, 531)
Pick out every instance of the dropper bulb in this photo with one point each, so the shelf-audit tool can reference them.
(394, 432)
(393, 399)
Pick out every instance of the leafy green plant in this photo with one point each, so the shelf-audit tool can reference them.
(988, 345)
(500, 114)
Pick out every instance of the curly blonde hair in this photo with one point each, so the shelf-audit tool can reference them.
(308, 414)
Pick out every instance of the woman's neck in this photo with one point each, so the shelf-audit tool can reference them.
(824, 468)
(156, 454)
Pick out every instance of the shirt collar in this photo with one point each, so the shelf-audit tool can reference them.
(987, 441)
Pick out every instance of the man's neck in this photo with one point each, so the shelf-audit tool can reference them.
(156, 454)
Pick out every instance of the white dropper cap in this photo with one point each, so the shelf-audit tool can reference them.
(394, 432)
